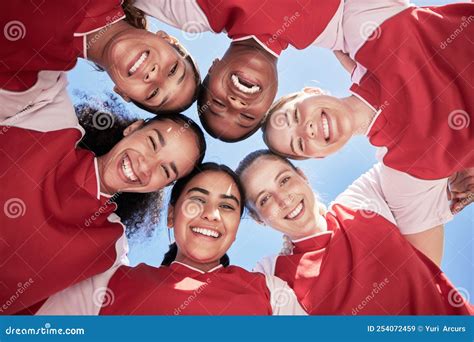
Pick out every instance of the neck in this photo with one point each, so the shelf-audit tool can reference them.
(245, 45)
(97, 42)
(362, 114)
(205, 267)
(100, 173)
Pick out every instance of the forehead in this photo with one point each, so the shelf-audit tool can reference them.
(216, 182)
(261, 174)
(290, 102)
(225, 125)
(171, 130)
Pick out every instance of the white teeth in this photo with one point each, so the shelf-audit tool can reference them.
(205, 231)
(325, 122)
(243, 88)
(127, 169)
(139, 62)
(295, 211)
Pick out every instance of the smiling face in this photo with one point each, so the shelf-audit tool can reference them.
(148, 158)
(239, 91)
(281, 197)
(309, 126)
(206, 217)
(148, 68)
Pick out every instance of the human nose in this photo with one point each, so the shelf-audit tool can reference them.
(282, 199)
(211, 213)
(145, 165)
(152, 74)
(236, 102)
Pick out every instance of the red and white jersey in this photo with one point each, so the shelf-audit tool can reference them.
(42, 39)
(176, 290)
(57, 228)
(273, 24)
(362, 265)
(418, 78)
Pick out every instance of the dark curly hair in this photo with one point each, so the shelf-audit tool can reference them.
(140, 212)
(177, 190)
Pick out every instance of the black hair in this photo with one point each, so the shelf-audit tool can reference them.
(177, 190)
(181, 183)
(203, 106)
(103, 130)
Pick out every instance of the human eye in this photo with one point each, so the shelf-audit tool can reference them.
(284, 180)
(153, 94)
(173, 69)
(264, 200)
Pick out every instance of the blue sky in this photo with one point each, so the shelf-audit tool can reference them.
(328, 177)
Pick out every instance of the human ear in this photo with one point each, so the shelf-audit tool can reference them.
(312, 90)
(214, 63)
(170, 218)
(122, 94)
(170, 39)
(133, 127)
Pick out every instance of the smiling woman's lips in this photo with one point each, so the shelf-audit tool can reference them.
(245, 84)
(325, 126)
(137, 62)
(125, 170)
(297, 212)
(206, 233)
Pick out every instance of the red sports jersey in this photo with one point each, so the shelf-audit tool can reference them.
(183, 290)
(55, 224)
(47, 35)
(420, 76)
(363, 266)
(274, 24)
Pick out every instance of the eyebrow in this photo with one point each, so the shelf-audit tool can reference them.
(214, 113)
(181, 79)
(231, 197)
(243, 126)
(292, 145)
(160, 137)
(201, 190)
(206, 192)
(165, 99)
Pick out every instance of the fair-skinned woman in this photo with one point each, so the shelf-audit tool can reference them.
(410, 92)
(347, 254)
(62, 188)
(195, 277)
